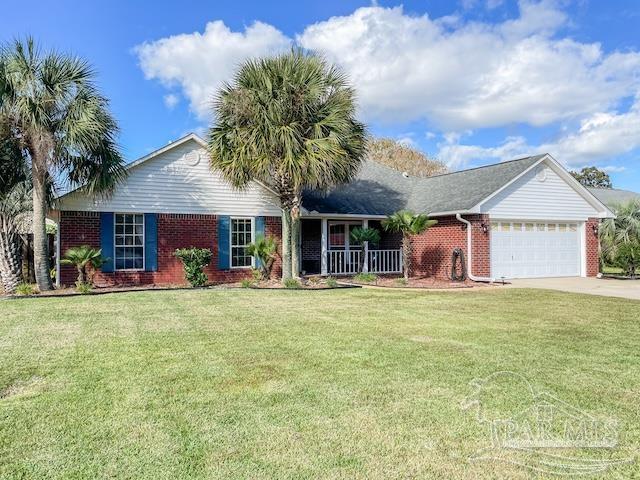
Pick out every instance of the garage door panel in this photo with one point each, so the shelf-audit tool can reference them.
(524, 249)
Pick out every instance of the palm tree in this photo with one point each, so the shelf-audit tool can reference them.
(619, 233)
(64, 127)
(264, 249)
(82, 258)
(408, 224)
(15, 204)
(360, 236)
(289, 122)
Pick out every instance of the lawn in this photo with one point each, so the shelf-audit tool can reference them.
(298, 384)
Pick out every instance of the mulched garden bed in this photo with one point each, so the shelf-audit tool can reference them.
(418, 282)
(313, 283)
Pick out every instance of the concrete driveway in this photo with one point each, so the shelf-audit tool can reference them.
(608, 287)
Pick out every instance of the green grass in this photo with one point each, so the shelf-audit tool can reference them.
(296, 384)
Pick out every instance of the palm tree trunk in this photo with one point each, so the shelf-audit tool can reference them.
(286, 244)
(406, 255)
(40, 241)
(295, 245)
(10, 261)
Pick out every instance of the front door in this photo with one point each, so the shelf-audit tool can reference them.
(340, 247)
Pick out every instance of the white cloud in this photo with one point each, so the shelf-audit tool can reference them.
(199, 63)
(471, 74)
(600, 137)
(407, 142)
(171, 100)
(614, 169)
(456, 74)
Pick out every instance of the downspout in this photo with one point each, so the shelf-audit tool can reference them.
(469, 259)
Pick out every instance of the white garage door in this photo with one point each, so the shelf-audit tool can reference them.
(521, 249)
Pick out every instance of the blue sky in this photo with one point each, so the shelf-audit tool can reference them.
(470, 82)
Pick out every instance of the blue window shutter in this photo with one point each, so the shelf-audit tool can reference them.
(107, 240)
(224, 224)
(150, 242)
(260, 221)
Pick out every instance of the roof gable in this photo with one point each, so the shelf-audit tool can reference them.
(177, 179)
(380, 190)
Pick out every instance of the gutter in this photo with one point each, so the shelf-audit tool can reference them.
(469, 259)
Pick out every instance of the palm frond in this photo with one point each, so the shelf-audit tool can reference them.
(288, 121)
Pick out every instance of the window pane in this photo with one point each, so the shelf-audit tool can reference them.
(240, 238)
(129, 240)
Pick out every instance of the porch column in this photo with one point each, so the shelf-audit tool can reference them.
(323, 247)
(365, 266)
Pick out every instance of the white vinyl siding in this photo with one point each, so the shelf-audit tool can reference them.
(530, 198)
(172, 183)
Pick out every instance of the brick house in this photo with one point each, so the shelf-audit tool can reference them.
(522, 218)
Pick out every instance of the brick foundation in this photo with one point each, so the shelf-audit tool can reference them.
(174, 231)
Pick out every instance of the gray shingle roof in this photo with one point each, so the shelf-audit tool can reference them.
(380, 190)
(611, 196)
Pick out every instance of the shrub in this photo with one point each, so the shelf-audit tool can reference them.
(246, 283)
(291, 283)
(365, 278)
(332, 282)
(83, 287)
(265, 250)
(194, 261)
(256, 275)
(86, 259)
(628, 258)
(25, 288)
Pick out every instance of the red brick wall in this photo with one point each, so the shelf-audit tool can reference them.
(592, 247)
(77, 228)
(432, 250)
(174, 231)
(273, 228)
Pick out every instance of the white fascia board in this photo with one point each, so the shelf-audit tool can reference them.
(340, 215)
(603, 210)
(149, 156)
(477, 207)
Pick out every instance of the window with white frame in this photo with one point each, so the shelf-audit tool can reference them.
(129, 241)
(241, 237)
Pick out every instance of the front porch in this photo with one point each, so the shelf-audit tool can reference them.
(327, 248)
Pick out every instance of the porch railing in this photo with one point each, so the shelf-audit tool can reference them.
(385, 261)
(347, 262)
(344, 262)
